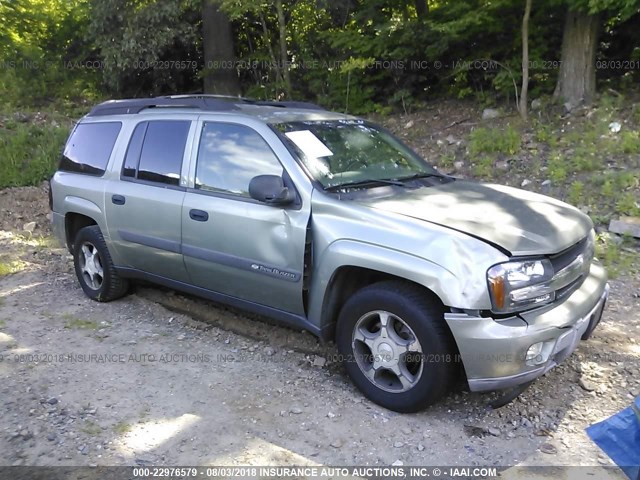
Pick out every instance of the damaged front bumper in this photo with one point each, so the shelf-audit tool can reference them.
(505, 353)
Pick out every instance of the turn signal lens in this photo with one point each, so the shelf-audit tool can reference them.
(498, 291)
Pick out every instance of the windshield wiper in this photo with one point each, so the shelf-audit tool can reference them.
(365, 183)
(419, 175)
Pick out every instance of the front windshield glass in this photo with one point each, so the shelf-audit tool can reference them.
(344, 152)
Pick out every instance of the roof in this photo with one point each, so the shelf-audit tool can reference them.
(268, 111)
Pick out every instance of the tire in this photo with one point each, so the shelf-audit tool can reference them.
(410, 363)
(94, 267)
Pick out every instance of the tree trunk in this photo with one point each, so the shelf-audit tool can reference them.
(422, 8)
(525, 61)
(267, 41)
(284, 57)
(577, 77)
(220, 76)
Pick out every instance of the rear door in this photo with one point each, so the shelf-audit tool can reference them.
(231, 243)
(144, 206)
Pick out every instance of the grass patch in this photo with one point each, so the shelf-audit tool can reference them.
(628, 143)
(91, 428)
(611, 252)
(557, 168)
(483, 167)
(447, 160)
(494, 140)
(2, 322)
(121, 428)
(29, 153)
(78, 323)
(544, 133)
(46, 242)
(586, 159)
(7, 267)
(627, 205)
(576, 193)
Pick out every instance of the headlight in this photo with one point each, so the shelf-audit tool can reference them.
(516, 286)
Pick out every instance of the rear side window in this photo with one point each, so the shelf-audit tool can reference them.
(89, 148)
(160, 158)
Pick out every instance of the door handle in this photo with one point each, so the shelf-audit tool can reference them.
(118, 199)
(198, 215)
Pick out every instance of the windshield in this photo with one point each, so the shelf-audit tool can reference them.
(346, 152)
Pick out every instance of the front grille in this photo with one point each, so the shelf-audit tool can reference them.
(567, 264)
(564, 258)
(564, 291)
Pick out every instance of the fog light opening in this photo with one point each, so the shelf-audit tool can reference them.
(537, 354)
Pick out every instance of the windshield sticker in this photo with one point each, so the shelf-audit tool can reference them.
(310, 145)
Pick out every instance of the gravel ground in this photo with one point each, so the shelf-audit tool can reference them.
(161, 379)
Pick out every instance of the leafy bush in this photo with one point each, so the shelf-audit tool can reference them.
(29, 153)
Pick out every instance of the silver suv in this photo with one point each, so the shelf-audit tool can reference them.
(328, 223)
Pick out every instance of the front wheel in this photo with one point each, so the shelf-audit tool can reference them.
(396, 346)
(94, 267)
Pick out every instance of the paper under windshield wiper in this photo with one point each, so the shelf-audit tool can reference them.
(365, 183)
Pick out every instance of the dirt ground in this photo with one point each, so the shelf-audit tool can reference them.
(161, 379)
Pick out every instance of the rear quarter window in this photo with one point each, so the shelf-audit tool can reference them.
(89, 148)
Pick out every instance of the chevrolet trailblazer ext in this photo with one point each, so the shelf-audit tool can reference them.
(328, 223)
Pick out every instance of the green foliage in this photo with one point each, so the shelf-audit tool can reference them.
(494, 140)
(557, 168)
(586, 160)
(628, 143)
(446, 160)
(608, 189)
(576, 192)
(9, 266)
(122, 428)
(616, 259)
(628, 205)
(483, 167)
(145, 45)
(373, 56)
(73, 322)
(29, 153)
(40, 43)
(623, 8)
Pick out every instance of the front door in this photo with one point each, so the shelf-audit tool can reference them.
(231, 243)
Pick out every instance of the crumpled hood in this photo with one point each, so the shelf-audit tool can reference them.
(521, 222)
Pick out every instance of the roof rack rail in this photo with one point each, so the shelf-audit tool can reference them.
(206, 102)
(285, 104)
(136, 105)
(252, 101)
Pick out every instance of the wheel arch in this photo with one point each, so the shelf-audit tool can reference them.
(80, 213)
(349, 279)
(73, 223)
(346, 266)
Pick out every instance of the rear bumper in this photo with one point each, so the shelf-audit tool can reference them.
(58, 227)
(494, 352)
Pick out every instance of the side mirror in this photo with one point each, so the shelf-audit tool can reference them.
(270, 189)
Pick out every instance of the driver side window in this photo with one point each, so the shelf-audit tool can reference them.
(229, 156)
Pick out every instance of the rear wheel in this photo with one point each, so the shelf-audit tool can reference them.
(94, 267)
(396, 346)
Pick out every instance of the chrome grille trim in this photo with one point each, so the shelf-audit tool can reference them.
(578, 267)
